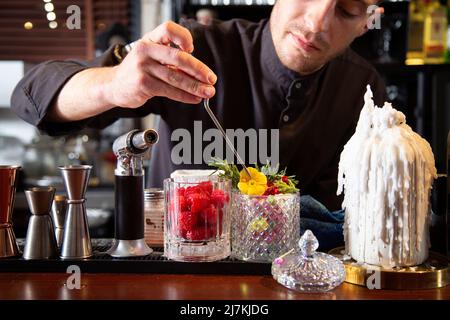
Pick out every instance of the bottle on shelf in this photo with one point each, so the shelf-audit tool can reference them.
(435, 32)
(447, 54)
(415, 52)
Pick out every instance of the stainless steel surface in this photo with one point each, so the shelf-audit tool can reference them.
(59, 209)
(40, 241)
(58, 214)
(40, 199)
(76, 243)
(224, 135)
(95, 198)
(76, 179)
(59, 234)
(142, 140)
(130, 149)
(8, 182)
(129, 248)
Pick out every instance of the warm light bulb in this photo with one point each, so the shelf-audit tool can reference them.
(51, 16)
(28, 25)
(53, 24)
(49, 7)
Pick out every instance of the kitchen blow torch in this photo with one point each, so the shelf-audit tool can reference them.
(130, 150)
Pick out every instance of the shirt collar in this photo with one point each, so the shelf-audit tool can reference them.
(274, 69)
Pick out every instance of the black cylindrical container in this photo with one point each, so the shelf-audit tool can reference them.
(129, 197)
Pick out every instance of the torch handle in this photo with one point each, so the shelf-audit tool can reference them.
(129, 198)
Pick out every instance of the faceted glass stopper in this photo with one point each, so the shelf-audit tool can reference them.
(308, 244)
(304, 269)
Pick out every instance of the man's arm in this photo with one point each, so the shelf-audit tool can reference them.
(153, 68)
(85, 95)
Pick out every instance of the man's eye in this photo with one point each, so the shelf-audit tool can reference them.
(346, 14)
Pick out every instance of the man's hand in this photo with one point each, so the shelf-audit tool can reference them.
(155, 68)
(152, 68)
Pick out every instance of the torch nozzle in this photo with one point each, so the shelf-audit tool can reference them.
(142, 140)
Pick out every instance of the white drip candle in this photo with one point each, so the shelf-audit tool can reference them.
(386, 171)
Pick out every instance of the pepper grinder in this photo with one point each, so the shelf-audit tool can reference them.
(8, 183)
(76, 243)
(130, 149)
(59, 209)
(40, 241)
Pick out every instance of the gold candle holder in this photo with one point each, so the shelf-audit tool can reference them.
(433, 273)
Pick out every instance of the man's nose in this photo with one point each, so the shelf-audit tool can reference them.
(318, 17)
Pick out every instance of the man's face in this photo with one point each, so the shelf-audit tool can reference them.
(309, 33)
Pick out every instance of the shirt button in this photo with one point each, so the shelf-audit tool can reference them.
(285, 118)
(298, 85)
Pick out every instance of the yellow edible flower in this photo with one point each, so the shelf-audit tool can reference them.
(254, 185)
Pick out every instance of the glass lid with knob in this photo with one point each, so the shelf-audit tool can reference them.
(304, 269)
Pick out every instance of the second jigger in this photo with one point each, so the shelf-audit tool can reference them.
(40, 242)
(58, 214)
(130, 149)
(76, 243)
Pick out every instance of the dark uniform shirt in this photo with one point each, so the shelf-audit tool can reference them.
(316, 114)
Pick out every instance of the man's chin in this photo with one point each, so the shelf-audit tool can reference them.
(300, 64)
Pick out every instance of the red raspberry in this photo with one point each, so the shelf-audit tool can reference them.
(198, 208)
(179, 203)
(190, 190)
(183, 204)
(197, 201)
(205, 187)
(219, 198)
(271, 191)
(285, 179)
(268, 191)
(208, 216)
(187, 221)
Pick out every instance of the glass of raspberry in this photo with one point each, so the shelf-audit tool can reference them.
(197, 220)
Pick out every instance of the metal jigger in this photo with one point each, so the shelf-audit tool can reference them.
(59, 209)
(41, 241)
(8, 181)
(76, 242)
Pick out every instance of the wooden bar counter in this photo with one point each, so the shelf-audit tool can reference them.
(49, 286)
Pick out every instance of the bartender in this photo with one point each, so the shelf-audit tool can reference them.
(293, 72)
